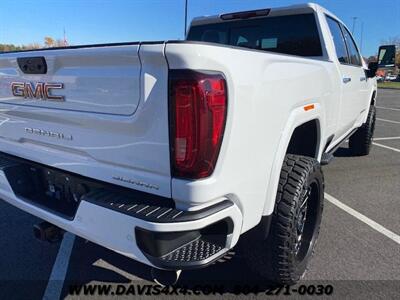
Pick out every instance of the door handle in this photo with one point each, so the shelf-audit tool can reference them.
(363, 78)
(346, 79)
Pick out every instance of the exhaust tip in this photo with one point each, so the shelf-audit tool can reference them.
(37, 232)
(165, 277)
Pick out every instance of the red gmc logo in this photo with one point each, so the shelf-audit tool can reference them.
(39, 90)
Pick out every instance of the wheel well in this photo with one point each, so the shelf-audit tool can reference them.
(373, 98)
(305, 140)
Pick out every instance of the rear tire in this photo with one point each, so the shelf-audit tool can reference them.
(360, 142)
(283, 256)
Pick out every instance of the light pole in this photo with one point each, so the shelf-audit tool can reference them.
(354, 24)
(361, 38)
(186, 8)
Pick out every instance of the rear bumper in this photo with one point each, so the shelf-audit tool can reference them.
(158, 236)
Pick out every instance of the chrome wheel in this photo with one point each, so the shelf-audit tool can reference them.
(301, 219)
(306, 219)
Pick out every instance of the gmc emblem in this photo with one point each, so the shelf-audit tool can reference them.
(39, 90)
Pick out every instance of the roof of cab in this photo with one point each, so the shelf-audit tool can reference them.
(286, 10)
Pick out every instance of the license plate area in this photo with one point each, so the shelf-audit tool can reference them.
(61, 192)
(48, 188)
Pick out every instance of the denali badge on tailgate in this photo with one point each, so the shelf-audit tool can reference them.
(39, 90)
(48, 133)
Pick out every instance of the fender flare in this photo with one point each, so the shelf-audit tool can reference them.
(373, 96)
(371, 99)
(297, 117)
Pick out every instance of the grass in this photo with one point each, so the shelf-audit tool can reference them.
(389, 85)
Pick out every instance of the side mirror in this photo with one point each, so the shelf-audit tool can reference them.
(372, 68)
(386, 56)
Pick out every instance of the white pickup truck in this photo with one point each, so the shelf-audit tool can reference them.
(169, 152)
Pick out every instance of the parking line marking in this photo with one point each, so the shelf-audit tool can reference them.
(387, 138)
(387, 147)
(386, 232)
(100, 263)
(389, 121)
(388, 108)
(60, 267)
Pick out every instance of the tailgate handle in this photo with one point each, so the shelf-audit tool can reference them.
(32, 65)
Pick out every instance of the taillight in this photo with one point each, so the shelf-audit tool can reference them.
(198, 105)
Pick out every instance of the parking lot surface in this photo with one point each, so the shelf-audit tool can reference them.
(358, 251)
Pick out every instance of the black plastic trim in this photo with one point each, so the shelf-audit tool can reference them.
(11, 164)
(329, 140)
(32, 65)
(249, 14)
(186, 249)
(326, 159)
(151, 213)
(322, 57)
(137, 204)
(261, 230)
(332, 151)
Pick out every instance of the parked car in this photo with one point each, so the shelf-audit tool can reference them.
(170, 152)
(391, 77)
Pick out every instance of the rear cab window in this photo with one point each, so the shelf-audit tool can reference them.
(289, 34)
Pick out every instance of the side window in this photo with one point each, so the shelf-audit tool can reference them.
(338, 40)
(353, 52)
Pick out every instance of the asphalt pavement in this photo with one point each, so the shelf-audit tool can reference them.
(358, 251)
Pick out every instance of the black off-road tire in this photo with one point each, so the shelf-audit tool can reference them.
(278, 258)
(360, 142)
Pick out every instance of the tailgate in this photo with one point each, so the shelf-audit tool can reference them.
(98, 80)
(112, 123)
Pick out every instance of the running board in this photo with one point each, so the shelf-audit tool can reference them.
(326, 159)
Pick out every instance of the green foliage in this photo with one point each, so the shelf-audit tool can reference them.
(389, 85)
(11, 47)
(48, 42)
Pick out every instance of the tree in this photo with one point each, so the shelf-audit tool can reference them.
(59, 43)
(394, 40)
(49, 42)
(32, 46)
(9, 47)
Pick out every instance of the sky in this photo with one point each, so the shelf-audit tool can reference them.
(107, 21)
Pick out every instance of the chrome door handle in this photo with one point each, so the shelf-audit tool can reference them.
(346, 79)
(363, 78)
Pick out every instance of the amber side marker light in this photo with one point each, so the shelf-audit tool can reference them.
(309, 107)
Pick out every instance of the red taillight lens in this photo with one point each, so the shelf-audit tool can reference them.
(198, 104)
